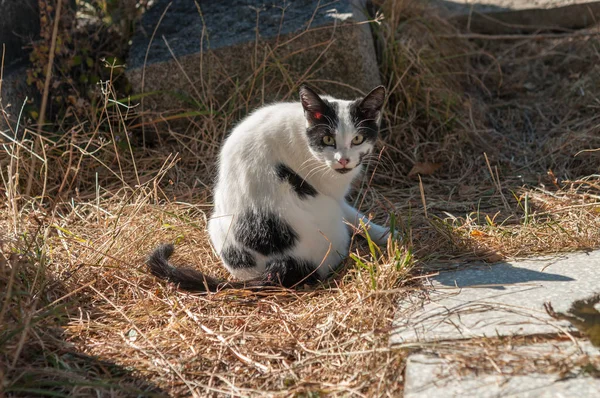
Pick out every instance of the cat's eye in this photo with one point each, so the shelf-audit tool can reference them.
(358, 139)
(328, 140)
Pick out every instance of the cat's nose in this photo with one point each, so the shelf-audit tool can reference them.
(344, 162)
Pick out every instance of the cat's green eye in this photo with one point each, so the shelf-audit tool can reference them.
(328, 140)
(358, 139)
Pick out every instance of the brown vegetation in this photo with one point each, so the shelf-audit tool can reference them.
(503, 132)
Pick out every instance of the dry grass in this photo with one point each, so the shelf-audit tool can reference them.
(332, 339)
(514, 356)
(80, 316)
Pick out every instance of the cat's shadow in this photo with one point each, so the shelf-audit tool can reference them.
(495, 276)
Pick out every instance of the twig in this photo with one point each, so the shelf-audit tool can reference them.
(46, 92)
(496, 181)
(144, 68)
(239, 355)
(422, 190)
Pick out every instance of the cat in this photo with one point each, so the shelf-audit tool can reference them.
(280, 214)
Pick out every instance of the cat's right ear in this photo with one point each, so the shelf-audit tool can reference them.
(313, 105)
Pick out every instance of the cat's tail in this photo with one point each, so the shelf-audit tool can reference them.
(191, 279)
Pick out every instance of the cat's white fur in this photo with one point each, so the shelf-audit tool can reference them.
(277, 134)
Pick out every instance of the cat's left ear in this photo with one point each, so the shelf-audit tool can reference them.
(370, 106)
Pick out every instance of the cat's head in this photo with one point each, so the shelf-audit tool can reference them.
(341, 133)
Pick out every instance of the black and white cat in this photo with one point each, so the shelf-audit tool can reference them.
(280, 211)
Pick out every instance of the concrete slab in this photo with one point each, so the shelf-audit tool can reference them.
(442, 375)
(497, 299)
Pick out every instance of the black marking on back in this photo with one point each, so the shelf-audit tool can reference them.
(237, 258)
(264, 233)
(301, 186)
(327, 125)
(367, 127)
(289, 271)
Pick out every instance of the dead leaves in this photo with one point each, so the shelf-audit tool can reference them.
(424, 169)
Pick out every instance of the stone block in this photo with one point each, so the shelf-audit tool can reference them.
(502, 299)
(14, 92)
(430, 375)
(219, 47)
(19, 26)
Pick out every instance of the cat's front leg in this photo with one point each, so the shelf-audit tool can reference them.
(377, 233)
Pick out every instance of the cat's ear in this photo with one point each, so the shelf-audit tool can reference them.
(311, 102)
(370, 106)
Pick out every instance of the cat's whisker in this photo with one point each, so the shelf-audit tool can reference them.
(305, 164)
(375, 161)
(327, 126)
(364, 121)
(379, 169)
(317, 169)
(331, 123)
(308, 165)
(324, 173)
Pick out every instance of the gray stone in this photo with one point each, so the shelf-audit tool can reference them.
(218, 51)
(19, 25)
(497, 299)
(14, 92)
(429, 375)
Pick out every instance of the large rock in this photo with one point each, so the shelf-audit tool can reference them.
(19, 26)
(15, 92)
(220, 50)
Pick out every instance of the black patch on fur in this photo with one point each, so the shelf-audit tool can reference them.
(286, 271)
(264, 233)
(302, 187)
(365, 126)
(237, 258)
(326, 125)
(290, 271)
(335, 108)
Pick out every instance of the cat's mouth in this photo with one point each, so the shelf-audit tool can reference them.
(344, 170)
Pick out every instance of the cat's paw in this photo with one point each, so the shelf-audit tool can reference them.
(379, 235)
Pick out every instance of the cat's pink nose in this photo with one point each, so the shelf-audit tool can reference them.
(343, 162)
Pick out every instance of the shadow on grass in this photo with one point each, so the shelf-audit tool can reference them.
(36, 358)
